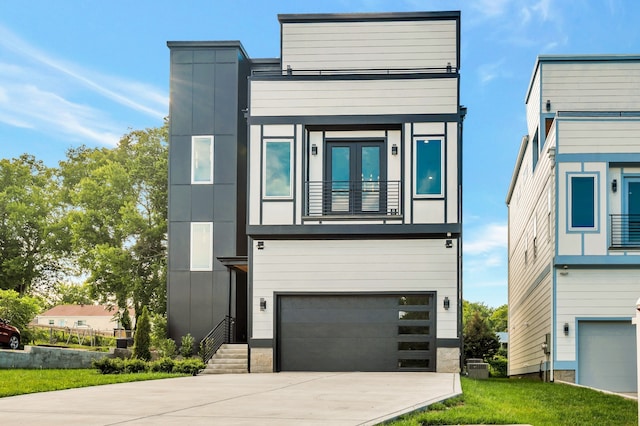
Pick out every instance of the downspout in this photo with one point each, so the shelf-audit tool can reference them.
(463, 113)
(552, 157)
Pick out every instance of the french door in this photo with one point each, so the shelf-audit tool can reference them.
(355, 177)
(632, 189)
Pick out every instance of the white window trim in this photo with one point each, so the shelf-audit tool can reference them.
(264, 169)
(415, 166)
(193, 160)
(209, 266)
(596, 202)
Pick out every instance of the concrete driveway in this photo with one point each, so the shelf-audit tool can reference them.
(244, 399)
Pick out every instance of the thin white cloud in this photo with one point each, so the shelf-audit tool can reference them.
(485, 240)
(491, 71)
(491, 8)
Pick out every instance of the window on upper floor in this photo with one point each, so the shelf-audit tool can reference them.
(202, 159)
(201, 247)
(278, 156)
(582, 202)
(428, 165)
(535, 150)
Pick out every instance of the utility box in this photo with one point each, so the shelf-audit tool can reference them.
(478, 370)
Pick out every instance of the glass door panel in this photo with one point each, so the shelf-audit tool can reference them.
(370, 178)
(340, 178)
(633, 211)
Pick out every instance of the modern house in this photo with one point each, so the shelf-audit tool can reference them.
(574, 223)
(315, 198)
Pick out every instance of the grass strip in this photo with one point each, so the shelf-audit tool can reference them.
(519, 401)
(18, 381)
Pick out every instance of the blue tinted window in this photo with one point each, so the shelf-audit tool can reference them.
(428, 167)
(582, 202)
(278, 169)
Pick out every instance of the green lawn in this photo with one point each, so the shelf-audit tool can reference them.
(518, 401)
(18, 382)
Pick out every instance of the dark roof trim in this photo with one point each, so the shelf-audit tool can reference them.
(516, 170)
(343, 232)
(367, 17)
(234, 44)
(238, 263)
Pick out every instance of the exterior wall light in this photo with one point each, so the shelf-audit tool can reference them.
(548, 105)
(394, 149)
(263, 304)
(446, 303)
(314, 149)
(260, 245)
(566, 329)
(614, 185)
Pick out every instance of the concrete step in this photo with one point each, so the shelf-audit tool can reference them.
(220, 361)
(229, 359)
(225, 371)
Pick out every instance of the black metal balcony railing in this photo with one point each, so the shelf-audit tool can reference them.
(625, 230)
(353, 198)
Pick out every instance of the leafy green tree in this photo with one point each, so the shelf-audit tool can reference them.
(470, 308)
(142, 338)
(30, 241)
(73, 294)
(117, 208)
(19, 310)
(479, 340)
(499, 319)
(125, 319)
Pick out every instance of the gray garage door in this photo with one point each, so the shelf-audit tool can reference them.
(607, 355)
(356, 332)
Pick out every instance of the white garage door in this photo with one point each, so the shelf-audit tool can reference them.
(607, 355)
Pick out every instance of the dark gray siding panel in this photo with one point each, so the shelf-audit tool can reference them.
(227, 56)
(181, 99)
(225, 160)
(201, 310)
(226, 98)
(204, 56)
(179, 236)
(178, 303)
(224, 234)
(179, 209)
(224, 208)
(203, 99)
(202, 203)
(180, 160)
(181, 56)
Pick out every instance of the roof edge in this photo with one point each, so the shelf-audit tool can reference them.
(516, 170)
(235, 44)
(346, 17)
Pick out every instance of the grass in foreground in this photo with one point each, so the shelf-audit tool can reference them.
(18, 382)
(515, 401)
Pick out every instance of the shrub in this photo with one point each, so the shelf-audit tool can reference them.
(135, 365)
(109, 365)
(186, 347)
(163, 365)
(158, 330)
(167, 348)
(189, 366)
(498, 366)
(142, 342)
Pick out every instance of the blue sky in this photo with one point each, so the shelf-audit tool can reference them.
(86, 72)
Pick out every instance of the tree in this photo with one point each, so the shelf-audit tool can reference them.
(73, 294)
(142, 338)
(30, 244)
(470, 308)
(479, 340)
(117, 209)
(499, 319)
(19, 310)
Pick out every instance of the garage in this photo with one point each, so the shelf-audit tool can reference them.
(356, 332)
(607, 355)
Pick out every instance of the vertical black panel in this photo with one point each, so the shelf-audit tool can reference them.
(180, 160)
(203, 99)
(202, 203)
(181, 99)
(179, 239)
(224, 208)
(226, 100)
(180, 202)
(224, 239)
(201, 311)
(178, 303)
(224, 171)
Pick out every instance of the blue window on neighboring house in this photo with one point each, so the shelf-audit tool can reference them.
(428, 167)
(277, 170)
(583, 202)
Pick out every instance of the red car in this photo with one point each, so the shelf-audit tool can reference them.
(9, 335)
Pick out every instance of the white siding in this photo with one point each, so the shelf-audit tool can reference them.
(533, 106)
(353, 97)
(369, 45)
(452, 173)
(428, 211)
(255, 175)
(352, 266)
(610, 135)
(592, 293)
(592, 86)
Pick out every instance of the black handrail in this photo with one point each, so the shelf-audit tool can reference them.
(625, 230)
(353, 198)
(221, 334)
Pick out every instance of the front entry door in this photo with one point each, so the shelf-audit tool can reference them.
(633, 211)
(355, 177)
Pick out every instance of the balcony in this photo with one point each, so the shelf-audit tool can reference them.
(625, 231)
(340, 200)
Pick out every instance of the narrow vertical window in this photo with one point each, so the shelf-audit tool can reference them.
(201, 246)
(202, 159)
(428, 165)
(277, 169)
(582, 202)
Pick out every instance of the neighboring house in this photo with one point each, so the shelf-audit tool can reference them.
(316, 198)
(503, 338)
(96, 317)
(574, 223)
